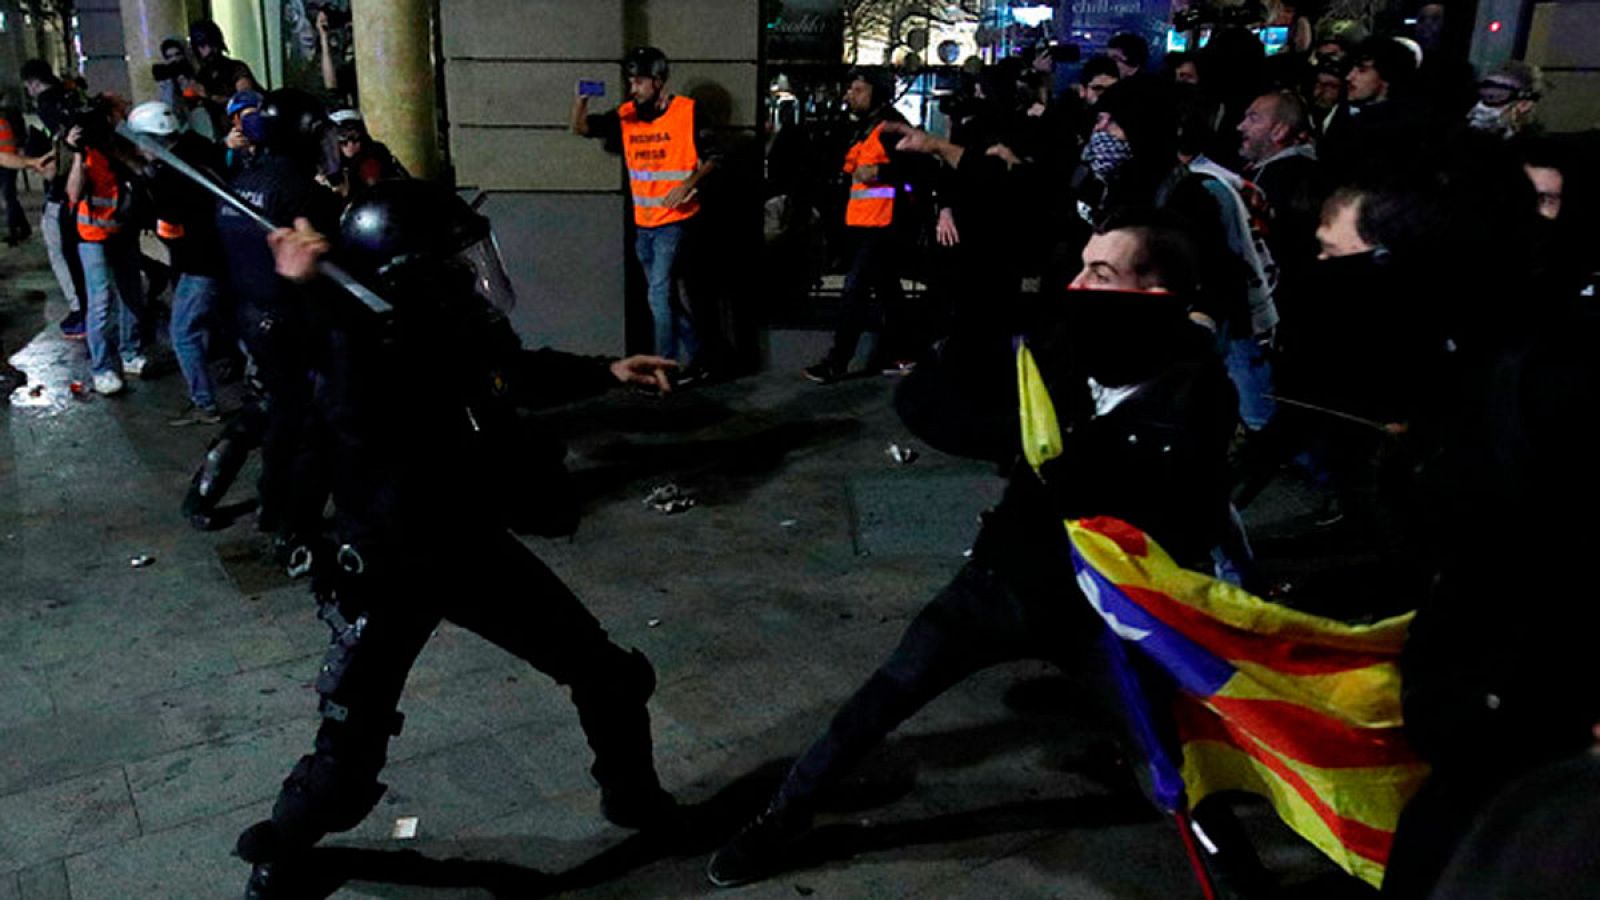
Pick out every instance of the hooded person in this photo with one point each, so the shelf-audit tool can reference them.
(1131, 163)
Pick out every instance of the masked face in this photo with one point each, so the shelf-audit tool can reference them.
(1489, 119)
(1106, 153)
(1123, 337)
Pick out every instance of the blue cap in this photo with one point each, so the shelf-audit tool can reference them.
(242, 101)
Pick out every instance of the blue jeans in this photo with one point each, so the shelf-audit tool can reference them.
(111, 276)
(192, 301)
(657, 249)
(1251, 373)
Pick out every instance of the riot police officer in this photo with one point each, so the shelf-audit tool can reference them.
(430, 482)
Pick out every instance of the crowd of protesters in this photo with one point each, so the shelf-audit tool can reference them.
(101, 193)
(1395, 264)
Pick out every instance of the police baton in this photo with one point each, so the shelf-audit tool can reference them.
(325, 268)
(1336, 413)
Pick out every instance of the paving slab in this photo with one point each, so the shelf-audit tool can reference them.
(147, 715)
(46, 881)
(66, 817)
(194, 860)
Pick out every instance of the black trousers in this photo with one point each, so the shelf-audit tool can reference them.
(293, 486)
(16, 216)
(977, 621)
(531, 614)
(874, 272)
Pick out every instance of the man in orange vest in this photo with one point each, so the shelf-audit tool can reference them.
(12, 159)
(109, 249)
(869, 219)
(660, 142)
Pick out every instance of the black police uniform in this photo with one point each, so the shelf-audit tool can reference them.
(427, 480)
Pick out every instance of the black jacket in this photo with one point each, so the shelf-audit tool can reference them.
(418, 420)
(1157, 460)
(179, 201)
(284, 190)
(1499, 671)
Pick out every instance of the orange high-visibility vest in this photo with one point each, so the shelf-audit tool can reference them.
(871, 204)
(660, 156)
(97, 211)
(8, 138)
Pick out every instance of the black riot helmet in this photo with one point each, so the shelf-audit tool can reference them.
(406, 233)
(294, 124)
(645, 62)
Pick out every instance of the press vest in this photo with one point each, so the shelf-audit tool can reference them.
(660, 156)
(871, 205)
(97, 210)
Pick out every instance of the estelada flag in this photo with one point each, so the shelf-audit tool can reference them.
(1300, 709)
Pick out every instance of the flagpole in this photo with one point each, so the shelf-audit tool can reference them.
(1208, 888)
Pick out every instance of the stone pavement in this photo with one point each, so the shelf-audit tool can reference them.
(148, 714)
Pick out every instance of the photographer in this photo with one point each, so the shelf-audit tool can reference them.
(12, 159)
(186, 224)
(219, 75)
(99, 190)
(52, 99)
(363, 162)
(175, 79)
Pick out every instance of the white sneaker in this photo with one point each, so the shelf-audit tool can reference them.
(107, 383)
(134, 368)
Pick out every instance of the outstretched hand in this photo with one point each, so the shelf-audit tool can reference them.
(912, 140)
(295, 252)
(645, 371)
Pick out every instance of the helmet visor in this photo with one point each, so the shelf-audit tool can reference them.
(489, 276)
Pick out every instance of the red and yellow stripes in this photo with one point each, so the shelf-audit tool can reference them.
(1310, 716)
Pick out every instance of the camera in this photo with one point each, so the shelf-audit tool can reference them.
(169, 71)
(337, 17)
(92, 114)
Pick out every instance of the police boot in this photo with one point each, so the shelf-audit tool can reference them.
(276, 881)
(612, 711)
(224, 458)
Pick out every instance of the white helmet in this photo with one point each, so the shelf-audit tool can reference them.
(154, 118)
(345, 117)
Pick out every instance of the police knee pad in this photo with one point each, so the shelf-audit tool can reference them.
(325, 794)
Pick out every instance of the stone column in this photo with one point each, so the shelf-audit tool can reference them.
(145, 24)
(395, 78)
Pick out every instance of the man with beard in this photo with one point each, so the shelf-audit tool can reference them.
(1146, 412)
(874, 218)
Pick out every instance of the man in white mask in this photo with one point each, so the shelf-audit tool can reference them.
(1508, 98)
